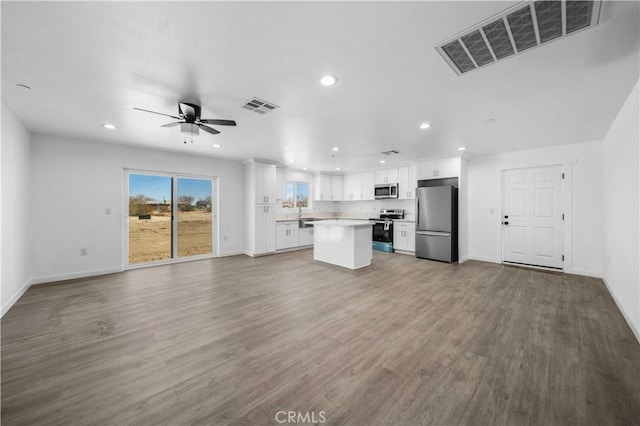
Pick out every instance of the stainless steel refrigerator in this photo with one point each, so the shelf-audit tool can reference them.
(437, 223)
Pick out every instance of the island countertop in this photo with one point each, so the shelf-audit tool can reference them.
(343, 222)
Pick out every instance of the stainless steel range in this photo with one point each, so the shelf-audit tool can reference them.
(383, 229)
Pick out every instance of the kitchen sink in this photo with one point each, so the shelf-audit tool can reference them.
(304, 223)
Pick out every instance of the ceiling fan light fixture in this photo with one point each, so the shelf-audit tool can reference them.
(425, 125)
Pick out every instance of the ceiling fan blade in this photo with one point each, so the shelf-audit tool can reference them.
(172, 124)
(190, 111)
(159, 113)
(208, 129)
(218, 122)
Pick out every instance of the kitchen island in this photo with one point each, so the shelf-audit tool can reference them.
(345, 243)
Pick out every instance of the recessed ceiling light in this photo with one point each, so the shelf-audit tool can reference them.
(382, 161)
(109, 126)
(337, 168)
(328, 80)
(425, 125)
(24, 86)
(335, 148)
(462, 148)
(304, 168)
(217, 145)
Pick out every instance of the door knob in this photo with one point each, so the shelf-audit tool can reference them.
(506, 217)
(505, 223)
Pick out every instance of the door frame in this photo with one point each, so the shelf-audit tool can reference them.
(215, 227)
(567, 202)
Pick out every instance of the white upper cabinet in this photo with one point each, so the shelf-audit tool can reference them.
(448, 167)
(336, 188)
(437, 169)
(386, 176)
(349, 187)
(407, 183)
(358, 186)
(264, 183)
(328, 187)
(367, 183)
(322, 190)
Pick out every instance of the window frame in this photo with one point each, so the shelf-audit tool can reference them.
(295, 184)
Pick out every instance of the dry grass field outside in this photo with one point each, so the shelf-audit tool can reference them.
(150, 239)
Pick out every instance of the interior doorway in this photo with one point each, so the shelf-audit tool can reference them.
(169, 217)
(532, 217)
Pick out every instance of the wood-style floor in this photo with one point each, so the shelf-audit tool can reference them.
(404, 341)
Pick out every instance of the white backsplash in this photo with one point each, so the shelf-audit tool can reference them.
(349, 209)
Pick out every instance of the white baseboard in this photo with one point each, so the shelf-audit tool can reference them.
(584, 272)
(74, 275)
(18, 294)
(483, 259)
(232, 253)
(624, 315)
(463, 259)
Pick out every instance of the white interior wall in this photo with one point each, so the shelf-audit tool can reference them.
(17, 202)
(584, 236)
(621, 158)
(75, 181)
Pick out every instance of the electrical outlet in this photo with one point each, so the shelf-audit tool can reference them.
(107, 211)
(492, 210)
(225, 238)
(84, 251)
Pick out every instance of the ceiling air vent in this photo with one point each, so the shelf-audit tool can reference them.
(524, 26)
(259, 106)
(391, 152)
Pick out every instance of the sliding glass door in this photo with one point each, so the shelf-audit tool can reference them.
(150, 224)
(169, 217)
(195, 217)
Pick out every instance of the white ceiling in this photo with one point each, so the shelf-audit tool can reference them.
(91, 63)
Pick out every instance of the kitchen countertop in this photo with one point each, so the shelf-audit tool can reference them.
(342, 222)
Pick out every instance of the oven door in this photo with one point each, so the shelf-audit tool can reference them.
(381, 234)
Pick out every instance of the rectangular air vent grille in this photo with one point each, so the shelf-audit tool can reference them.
(259, 106)
(391, 152)
(524, 26)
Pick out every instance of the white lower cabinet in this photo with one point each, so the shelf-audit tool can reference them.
(262, 240)
(286, 235)
(404, 236)
(305, 236)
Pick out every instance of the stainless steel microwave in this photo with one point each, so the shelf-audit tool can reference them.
(387, 190)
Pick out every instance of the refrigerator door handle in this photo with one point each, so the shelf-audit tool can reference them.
(434, 233)
(417, 212)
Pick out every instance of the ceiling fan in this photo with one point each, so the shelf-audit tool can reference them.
(190, 121)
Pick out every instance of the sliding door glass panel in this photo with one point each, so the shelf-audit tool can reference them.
(195, 219)
(150, 204)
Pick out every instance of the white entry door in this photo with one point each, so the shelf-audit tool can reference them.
(532, 216)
